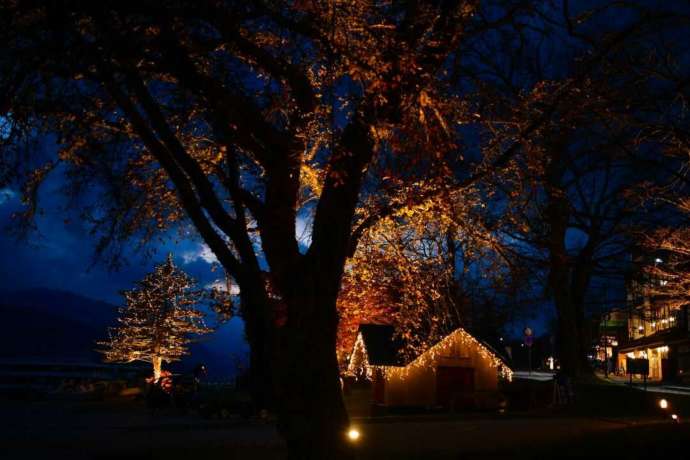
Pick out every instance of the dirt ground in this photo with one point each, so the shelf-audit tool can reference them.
(110, 430)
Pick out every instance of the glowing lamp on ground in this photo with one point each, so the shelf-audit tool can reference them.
(663, 404)
(353, 434)
(674, 417)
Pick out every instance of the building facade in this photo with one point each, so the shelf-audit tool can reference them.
(657, 330)
(457, 372)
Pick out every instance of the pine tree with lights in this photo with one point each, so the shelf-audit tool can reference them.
(158, 320)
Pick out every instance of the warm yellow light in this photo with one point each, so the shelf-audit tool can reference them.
(353, 434)
(663, 404)
(443, 348)
(674, 417)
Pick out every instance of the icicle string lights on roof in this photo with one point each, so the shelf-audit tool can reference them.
(359, 362)
(443, 348)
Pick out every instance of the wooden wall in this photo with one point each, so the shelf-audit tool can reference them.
(415, 384)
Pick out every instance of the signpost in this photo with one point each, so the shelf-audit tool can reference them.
(529, 340)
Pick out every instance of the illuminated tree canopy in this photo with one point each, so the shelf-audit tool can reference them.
(159, 321)
(420, 269)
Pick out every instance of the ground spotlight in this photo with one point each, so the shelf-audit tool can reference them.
(353, 434)
(675, 418)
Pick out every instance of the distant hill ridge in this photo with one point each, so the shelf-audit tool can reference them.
(53, 325)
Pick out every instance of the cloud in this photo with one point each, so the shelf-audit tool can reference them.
(202, 252)
(221, 285)
(6, 195)
(303, 227)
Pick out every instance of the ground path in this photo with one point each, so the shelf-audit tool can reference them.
(75, 431)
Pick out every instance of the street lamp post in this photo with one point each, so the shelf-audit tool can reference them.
(606, 346)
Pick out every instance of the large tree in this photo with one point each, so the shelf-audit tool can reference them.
(571, 197)
(427, 270)
(242, 118)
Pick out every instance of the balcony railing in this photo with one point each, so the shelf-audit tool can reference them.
(649, 322)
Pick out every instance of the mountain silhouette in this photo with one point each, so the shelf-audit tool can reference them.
(52, 325)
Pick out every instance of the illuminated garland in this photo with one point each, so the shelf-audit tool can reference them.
(428, 357)
(359, 361)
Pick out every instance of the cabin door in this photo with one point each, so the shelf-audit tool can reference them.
(379, 387)
(454, 386)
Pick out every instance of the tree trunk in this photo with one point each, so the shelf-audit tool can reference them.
(557, 215)
(582, 275)
(568, 289)
(157, 362)
(568, 330)
(312, 416)
(254, 305)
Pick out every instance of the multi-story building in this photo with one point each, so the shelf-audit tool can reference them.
(656, 331)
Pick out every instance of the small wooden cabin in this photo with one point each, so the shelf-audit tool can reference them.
(457, 372)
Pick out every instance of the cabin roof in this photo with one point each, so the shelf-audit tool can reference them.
(383, 348)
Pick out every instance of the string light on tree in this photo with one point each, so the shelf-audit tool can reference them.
(158, 320)
(359, 361)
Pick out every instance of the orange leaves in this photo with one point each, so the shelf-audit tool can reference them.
(426, 103)
(311, 181)
(403, 268)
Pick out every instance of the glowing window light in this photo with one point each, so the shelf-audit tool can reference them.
(353, 434)
(663, 404)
